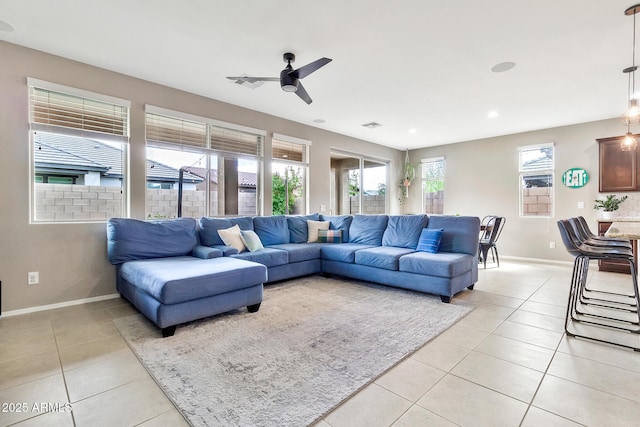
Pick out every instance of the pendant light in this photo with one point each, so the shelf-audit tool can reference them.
(632, 115)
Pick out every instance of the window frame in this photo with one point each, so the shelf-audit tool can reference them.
(547, 171)
(206, 150)
(117, 112)
(424, 180)
(303, 163)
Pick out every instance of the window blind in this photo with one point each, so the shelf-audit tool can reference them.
(172, 130)
(63, 113)
(290, 151)
(234, 141)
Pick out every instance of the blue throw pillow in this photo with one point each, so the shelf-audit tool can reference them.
(429, 240)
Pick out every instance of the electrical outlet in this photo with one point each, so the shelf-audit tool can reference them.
(322, 208)
(580, 205)
(552, 245)
(33, 277)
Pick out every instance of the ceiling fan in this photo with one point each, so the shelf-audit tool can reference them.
(289, 78)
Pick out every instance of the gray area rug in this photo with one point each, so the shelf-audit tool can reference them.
(314, 342)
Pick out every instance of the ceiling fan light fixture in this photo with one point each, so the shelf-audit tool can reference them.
(289, 88)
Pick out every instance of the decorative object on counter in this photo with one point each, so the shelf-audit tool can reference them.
(575, 178)
(609, 205)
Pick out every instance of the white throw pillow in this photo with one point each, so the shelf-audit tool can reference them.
(231, 237)
(313, 227)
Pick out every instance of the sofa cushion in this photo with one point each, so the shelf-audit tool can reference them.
(403, 231)
(298, 227)
(344, 252)
(314, 228)
(368, 229)
(273, 230)
(131, 239)
(231, 237)
(429, 241)
(386, 257)
(300, 251)
(442, 264)
(179, 279)
(268, 257)
(460, 235)
(339, 222)
(209, 228)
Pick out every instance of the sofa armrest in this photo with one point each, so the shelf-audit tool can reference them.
(226, 250)
(205, 252)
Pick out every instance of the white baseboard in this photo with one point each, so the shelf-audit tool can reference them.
(538, 260)
(58, 305)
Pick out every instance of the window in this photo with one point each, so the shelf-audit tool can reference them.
(289, 175)
(200, 167)
(433, 185)
(358, 184)
(79, 142)
(536, 180)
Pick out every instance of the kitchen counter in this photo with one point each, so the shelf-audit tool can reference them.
(625, 228)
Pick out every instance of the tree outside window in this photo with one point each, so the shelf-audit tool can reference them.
(287, 190)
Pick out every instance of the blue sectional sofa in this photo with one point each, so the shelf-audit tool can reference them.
(159, 273)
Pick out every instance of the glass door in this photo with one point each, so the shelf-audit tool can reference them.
(358, 184)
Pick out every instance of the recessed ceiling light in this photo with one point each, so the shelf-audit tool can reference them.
(319, 121)
(4, 26)
(412, 130)
(493, 114)
(502, 67)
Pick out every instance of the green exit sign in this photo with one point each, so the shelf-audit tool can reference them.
(575, 178)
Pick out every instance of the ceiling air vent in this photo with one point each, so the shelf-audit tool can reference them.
(251, 84)
(372, 125)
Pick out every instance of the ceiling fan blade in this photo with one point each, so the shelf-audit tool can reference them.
(255, 79)
(302, 93)
(304, 71)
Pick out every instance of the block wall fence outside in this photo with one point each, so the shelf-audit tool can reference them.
(371, 205)
(536, 201)
(434, 202)
(67, 202)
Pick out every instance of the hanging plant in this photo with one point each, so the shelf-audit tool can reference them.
(409, 174)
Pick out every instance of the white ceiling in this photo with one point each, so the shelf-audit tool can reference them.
(407, 64)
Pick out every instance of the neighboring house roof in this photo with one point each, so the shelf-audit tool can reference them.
(543, 162)
(245, 179)
(72, 155)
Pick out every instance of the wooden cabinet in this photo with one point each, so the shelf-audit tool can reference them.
(613, 265)
(618, 169)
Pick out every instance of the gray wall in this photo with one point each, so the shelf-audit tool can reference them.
(481, 178)
(71, 258)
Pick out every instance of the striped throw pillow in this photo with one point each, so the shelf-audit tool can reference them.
(430, 240)
(330, 236)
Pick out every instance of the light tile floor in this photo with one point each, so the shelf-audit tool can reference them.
(508, 363)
